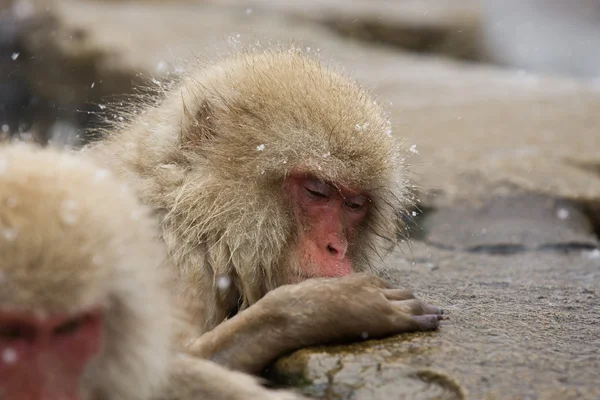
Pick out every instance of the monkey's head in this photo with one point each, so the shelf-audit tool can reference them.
(81, 303)
(276, 167)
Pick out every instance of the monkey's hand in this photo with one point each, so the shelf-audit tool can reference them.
(356, 306)
(312, 312)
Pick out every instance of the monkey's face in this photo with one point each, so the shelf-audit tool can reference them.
(52, 296)
(253, 136)
(45, 358)
(75, 283)
(327, 220)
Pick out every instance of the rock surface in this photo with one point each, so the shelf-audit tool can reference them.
(432, 26)
(509, 163)
(521, 295)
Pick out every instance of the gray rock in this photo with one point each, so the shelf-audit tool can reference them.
(509, 165)
(521, 326)
(511, 224)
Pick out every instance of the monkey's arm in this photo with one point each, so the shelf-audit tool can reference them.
(192, 378)
(313, 312)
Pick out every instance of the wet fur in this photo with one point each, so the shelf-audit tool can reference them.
(73, 238)
(196, 156)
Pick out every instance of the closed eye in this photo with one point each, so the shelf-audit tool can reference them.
(70, 326)
(315, 193)
(355, 202)
(15, 331)
(354, 206)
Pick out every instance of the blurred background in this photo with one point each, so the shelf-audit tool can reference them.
(60, 60)
(497, 101)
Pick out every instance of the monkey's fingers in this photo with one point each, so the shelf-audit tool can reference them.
(398, 294)
(428, 322)
(416, 307)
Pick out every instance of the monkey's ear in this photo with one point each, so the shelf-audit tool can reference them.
(197, 128)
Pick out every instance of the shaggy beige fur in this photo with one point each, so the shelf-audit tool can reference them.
(71, 238)
(211, 156)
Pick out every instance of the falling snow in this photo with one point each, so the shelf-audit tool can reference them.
(97, 259)
(594, 254)
(23, 9)
(413, 149)
(5, 128)
(233, 40)
(9, 234)
(69, 218)
(101, 174)
(431, 266)
(161, 66)
(15, 56)
(135, 215)
(9, 356)
(93, 84)
(223, 282)
(562, 213)
(248, 11)
(360, 128)
(101, 106)
(68, 212)
(364, 335)
(260, 147)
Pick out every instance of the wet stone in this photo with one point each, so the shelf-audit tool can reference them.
(365, 371)
(524, 325)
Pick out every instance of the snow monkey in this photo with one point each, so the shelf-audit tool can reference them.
(275, 179)
(85, 311)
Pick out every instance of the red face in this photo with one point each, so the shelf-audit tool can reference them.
(45, 358)
(329, 218)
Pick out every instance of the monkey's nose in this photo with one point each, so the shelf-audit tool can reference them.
(337, 250)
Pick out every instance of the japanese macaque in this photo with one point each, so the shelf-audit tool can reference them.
(85, 310)
(275, 179)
